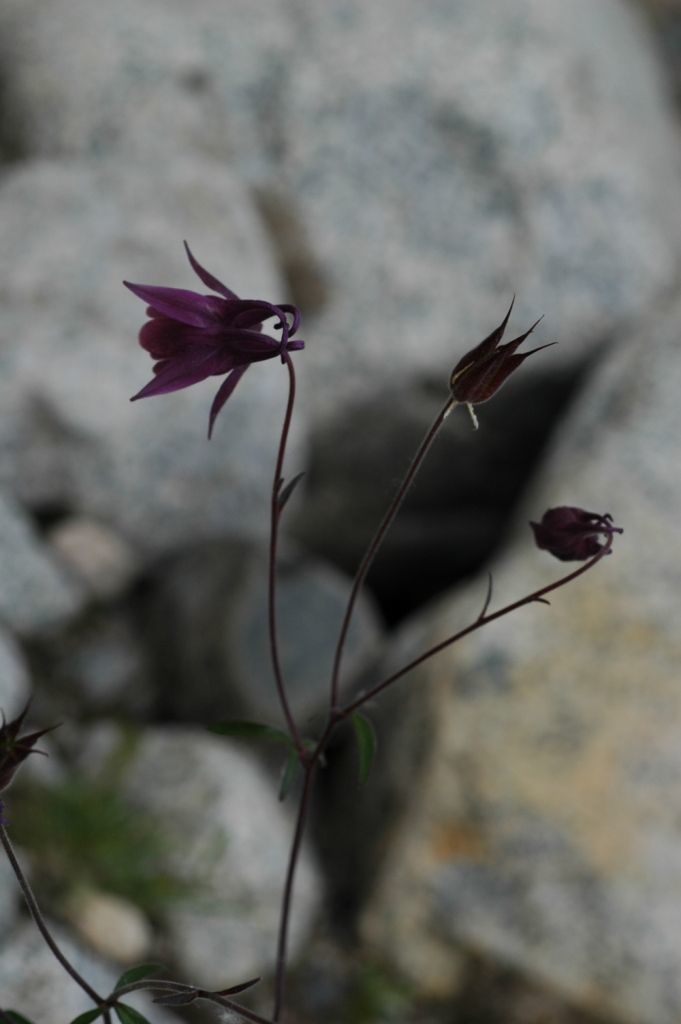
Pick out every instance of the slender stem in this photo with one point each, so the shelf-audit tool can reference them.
(482, 620)
(272, 573)
(375, 544)
(303, 807)
(166, 987)
(40, 921)
(229, 1004)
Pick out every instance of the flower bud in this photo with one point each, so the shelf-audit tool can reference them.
(572, 534)
(14, 748)
(480, 373)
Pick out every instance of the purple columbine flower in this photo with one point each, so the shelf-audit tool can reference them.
(193, 336)
(572, 534)
(480, 373)
(14, 748)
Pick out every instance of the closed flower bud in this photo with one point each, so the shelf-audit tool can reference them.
(14, 748)
(572, 534)
(480, 373)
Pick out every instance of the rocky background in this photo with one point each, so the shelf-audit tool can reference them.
(397, 169)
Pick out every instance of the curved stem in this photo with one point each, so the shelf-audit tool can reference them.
(163, 986)
(40, 921)
(303, 807)
(272, 571)
(375, 544)
(482, 620)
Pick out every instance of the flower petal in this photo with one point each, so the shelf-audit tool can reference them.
(207, 278)
(180, 304)
(175, 374)
(485, 347)
(223, 393)
(163, 338)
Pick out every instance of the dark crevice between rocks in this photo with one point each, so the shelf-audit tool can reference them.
(457, 515)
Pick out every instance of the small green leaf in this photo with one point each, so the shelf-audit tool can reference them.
(129, 1015)
(137, 974)
(17, 1018)
(289, 775)
(287, 491)
(251, 730)
(366, 744)
(89, 1015)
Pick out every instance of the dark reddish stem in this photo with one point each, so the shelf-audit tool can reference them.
(482, 620)
(272, 574)
(40, 921)
(378, 538)
(282, 944)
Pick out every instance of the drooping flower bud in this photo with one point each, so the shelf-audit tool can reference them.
(480, 373)
(572, 534)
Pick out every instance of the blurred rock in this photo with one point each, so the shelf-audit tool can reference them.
(444, 155)
(176, 82)
(226, 832)
(15, 682)
(36, 985)
(111, 926)
(146, 471)
(97, 557)
(211, 641)
(546, 832)
(666, 25)
(96, 667)
(36, 594)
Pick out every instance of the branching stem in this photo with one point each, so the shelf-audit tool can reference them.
(377, 540)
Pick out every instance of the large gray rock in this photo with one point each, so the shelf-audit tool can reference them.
(159, 80)
(14, 676)
(34, 984)
(211, 641)
(226, 831)
(546, 832)
(36, 594)
(71, 359)
(440, 156)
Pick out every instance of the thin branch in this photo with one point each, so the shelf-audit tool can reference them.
(40, 921)
(488, 597)
(272, 568)
(378, 538)
(303, 807)
(483, 620)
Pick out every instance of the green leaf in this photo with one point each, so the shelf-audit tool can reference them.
(251, 730)
(129, 1015)
(17, 1018)
(89, 1015)
(291, 772)
(137, 974)
(366, 744)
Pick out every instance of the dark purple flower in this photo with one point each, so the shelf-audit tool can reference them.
(193, 336)
(572, 534)
(480, 373)
(14, 748)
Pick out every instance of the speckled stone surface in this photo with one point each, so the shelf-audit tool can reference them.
(547, 830)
